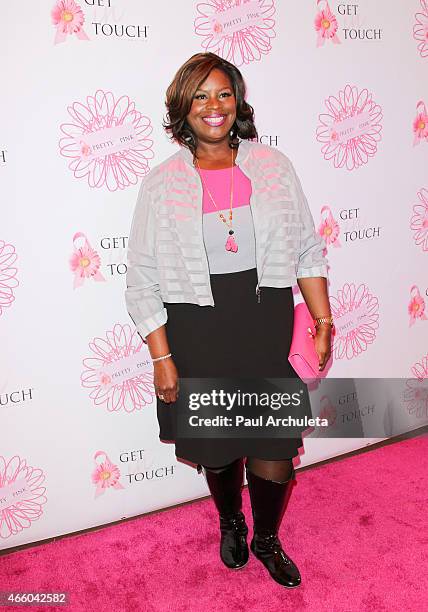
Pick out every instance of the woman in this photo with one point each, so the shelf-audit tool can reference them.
(221, 232)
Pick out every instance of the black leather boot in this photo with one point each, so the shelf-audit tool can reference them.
(225, 488)
(268, 500)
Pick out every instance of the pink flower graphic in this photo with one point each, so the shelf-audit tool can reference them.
(419, 220)
(107, 141)
(416, 307)
(68, 18)
(326, 26)
(21, 495)
(420, 124)
(420, 368)
(106, 475)
(355, 311)
(420, 29)
(238, 30)
(329, 228)
(416, 397)
(351, 129)
(85, 262)
(8, 272)
(119, 372)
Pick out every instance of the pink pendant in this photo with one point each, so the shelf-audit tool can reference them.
(231, 245)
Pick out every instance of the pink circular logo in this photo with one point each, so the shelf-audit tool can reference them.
(420, 368)
(419, 220)
(415, 397)
(68, 18)
(119, 371)
(350, 130)
(105, 475)
(21, 495)
(240, 31)
(107, 141)
(8, 272)
(420, 29)
(326, 25)
(420, 124)
(355, 312)
(329, 228)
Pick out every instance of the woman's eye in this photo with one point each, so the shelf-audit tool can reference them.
(226, 93)
(199, 96)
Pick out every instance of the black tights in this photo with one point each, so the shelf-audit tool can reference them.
(277, 470)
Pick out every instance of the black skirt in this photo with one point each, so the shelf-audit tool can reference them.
(242, 336)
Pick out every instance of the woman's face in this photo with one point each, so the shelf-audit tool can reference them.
(213, 110)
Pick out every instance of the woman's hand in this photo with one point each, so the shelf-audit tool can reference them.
(165, 380)
(322, 342)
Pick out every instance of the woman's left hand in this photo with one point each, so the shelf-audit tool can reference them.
(322, 342)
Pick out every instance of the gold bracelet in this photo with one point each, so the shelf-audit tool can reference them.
(320, 320)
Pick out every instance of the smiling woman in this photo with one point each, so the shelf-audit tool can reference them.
(208, 92)
(221, 232)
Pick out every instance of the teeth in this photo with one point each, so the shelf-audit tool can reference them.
(214, 121)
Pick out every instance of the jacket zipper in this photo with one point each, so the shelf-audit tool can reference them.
(258, 292)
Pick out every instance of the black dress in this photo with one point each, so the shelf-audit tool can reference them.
(242, 337)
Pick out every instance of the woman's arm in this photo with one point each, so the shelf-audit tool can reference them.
(314, 291)
(165, 373)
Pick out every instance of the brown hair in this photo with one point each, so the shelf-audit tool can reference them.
(179, 97)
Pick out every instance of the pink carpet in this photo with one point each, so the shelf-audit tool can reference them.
(357, 529)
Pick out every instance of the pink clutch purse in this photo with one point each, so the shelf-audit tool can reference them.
(303, 356)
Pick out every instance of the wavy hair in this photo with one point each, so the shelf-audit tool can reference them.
(180, 93)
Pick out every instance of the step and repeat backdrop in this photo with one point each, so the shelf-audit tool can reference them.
(341, 88)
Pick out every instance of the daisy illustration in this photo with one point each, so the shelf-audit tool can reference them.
(420, 29)
(419, 220)
(420, 123)
(326, 25)
(247, 40)
(416, 307)
(129, 392)
(21, 495)
(355, 311)
(107, 141)
(415, 397)
(8, 272)
(329, 228)
(85, 262)
(105, 475)
(420, 368)
(351, 129)
(68, 18)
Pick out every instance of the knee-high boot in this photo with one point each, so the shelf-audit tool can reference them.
(268, 500)
(226, 490)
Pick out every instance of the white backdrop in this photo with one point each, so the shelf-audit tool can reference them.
(340, 88)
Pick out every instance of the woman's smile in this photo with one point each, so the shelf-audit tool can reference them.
(214, 119)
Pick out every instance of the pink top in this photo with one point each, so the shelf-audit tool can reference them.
(216, 232)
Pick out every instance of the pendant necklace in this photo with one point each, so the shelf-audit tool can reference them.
(230, 242)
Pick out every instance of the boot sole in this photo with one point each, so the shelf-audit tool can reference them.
(237, 568)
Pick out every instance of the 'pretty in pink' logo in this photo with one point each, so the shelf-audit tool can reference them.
(21, 495)
(420, 368)
(105, 475)
(419, 220)
(240, 31)
(68, 18)
(351, 129)
(420, 124)
(120, 371)
(356, 319)
(107, 141)
(420, 29)
(329, 228)
(415, 397)
(326, 25)
(416, 307)
(85, 262)
(8, 272)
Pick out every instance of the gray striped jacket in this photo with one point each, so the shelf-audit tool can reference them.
(167, 261)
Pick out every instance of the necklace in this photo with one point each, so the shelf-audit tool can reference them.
(230, 245)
